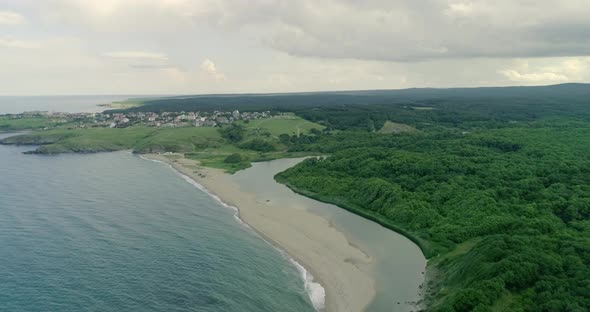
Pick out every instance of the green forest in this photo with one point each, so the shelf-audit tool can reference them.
(501, 214)
(493, 184)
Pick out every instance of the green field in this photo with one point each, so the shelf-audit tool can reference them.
(394, 127)
(283, 124)
(82, 140)
(18, 124)
(126, 104)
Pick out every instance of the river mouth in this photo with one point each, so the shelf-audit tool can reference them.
(398, 265)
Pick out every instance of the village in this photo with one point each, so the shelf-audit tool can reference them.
(148, 119)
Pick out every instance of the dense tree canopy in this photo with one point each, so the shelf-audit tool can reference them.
(233, 133)
(503, 213)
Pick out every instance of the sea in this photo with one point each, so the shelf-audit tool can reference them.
(61, 103)
(115, 232)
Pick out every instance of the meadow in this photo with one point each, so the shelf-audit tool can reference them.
(7, 123)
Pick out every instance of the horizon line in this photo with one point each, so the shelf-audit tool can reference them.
(287, 92)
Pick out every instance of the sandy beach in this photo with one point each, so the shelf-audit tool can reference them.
(306, 237)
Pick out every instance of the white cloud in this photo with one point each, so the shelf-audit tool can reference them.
(175, 74)
(573, 67)
(514, 75)
(460, 9)
(11, 18)
(209, 67)
(548, 70)
(102, 7)
(137, 55)
(19, 44)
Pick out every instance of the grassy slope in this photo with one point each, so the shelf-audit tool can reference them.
(32, 123)
(82, 140)
(127, 104)
(394, 127)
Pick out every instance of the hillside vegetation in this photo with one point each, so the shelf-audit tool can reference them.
(394, 127)
(519, 198)
(33, 123)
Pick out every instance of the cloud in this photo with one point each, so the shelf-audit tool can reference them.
(167, 46)
(11, 18)
(575, 66)
(405, 31)
(459, 9)
(383, 30)
(209, 67)
(514, 75)
(550, 70)
(19, 44)
(151, 66)
(137, 55)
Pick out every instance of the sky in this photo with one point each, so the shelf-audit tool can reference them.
(60, 47)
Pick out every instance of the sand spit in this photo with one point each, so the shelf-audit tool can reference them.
(307, 238)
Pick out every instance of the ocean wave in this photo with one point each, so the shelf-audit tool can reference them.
(315, 291)
(204, 189)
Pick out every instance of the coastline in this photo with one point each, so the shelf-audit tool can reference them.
(315, 248)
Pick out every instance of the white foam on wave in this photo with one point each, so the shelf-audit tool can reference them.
(202, 188)
(315, 291)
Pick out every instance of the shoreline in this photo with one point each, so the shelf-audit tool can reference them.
(314, 290)
(427, 251)
(319, 252)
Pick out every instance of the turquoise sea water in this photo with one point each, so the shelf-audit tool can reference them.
(113, 232)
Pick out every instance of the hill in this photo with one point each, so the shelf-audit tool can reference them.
(456, 107)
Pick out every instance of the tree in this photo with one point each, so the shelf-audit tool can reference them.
(258, 145)
(234, 133)
(285, 138)
(233, 159)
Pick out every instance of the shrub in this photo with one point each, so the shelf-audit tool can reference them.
(233, 159)
(258, 145)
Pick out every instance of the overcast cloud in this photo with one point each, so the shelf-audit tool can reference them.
(206, 46)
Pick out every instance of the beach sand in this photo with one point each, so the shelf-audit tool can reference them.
(306, 237)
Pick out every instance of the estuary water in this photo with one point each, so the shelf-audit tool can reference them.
(398, 265)
(114, 232)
